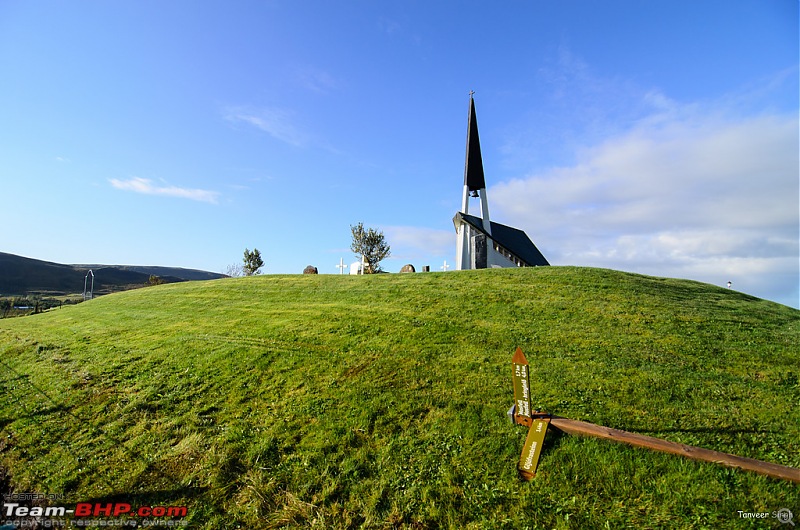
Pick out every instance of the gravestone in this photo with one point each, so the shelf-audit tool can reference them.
(408, 268)
(310, 270)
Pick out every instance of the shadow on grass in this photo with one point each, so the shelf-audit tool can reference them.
(553, 439)
(152, 498)
(705, 430)
(56, 409)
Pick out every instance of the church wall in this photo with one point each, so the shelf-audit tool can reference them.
(482, 252)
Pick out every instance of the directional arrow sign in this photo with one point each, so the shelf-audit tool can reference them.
(529, 460)
(522, 387)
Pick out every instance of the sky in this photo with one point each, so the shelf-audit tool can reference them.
(653, 137)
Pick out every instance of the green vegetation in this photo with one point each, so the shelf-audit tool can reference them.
(370, 246)
(16, 306)
(252, 262)
(380, 401)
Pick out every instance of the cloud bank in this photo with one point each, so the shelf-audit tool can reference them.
(413, 243)
(688, 191)
(146, 186)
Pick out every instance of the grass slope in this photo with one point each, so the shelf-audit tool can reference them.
(380, 401)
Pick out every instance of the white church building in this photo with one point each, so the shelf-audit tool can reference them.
(482, 243)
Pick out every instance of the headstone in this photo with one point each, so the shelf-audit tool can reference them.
(408, 268)
(310, 270)
(426, 268)
(355, 268)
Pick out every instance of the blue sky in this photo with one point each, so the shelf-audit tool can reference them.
(653, 137)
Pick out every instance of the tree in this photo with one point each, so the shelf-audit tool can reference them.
(252, 262)
(234, 270)
(155, 280)
(371, 245)
(5, 306)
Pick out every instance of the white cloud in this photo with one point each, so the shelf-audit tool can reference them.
(688, 191)
(146, 186)
(278, 123)
(414, 243)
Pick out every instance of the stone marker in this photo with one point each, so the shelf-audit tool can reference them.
(408, 268)
(310, 270)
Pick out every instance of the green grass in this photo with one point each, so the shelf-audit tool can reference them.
(380, 401)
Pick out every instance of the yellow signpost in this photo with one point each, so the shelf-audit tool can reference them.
(537, 422)
(522, 414)
(532, 449)
(522, 386)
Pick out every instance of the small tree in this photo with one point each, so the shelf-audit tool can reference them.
(234, 270)
(155, 280)
(371, 245)
(252, 262)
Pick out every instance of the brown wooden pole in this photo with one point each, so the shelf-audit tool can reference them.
(656, 444)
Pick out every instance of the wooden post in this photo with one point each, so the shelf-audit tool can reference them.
(695, 453)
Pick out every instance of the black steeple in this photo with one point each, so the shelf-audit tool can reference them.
(473, 171)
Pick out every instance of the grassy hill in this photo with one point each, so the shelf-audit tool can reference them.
(380, 401)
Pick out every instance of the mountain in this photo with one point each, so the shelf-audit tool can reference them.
(20, 275)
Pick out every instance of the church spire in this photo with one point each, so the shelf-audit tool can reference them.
(474, 186)
(473, 169)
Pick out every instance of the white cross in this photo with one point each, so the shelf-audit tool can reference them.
(341, 266)
(445, 266)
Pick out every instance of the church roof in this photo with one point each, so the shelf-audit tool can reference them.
(512, 239)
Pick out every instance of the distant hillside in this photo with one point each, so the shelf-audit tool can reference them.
(20, 275)
(175, 272)
(379, 401)
(178, 273)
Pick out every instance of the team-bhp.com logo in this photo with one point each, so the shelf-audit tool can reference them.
(87, 514)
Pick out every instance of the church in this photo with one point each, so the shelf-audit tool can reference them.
(482, 243)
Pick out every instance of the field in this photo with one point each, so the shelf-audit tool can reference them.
(380, 401)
